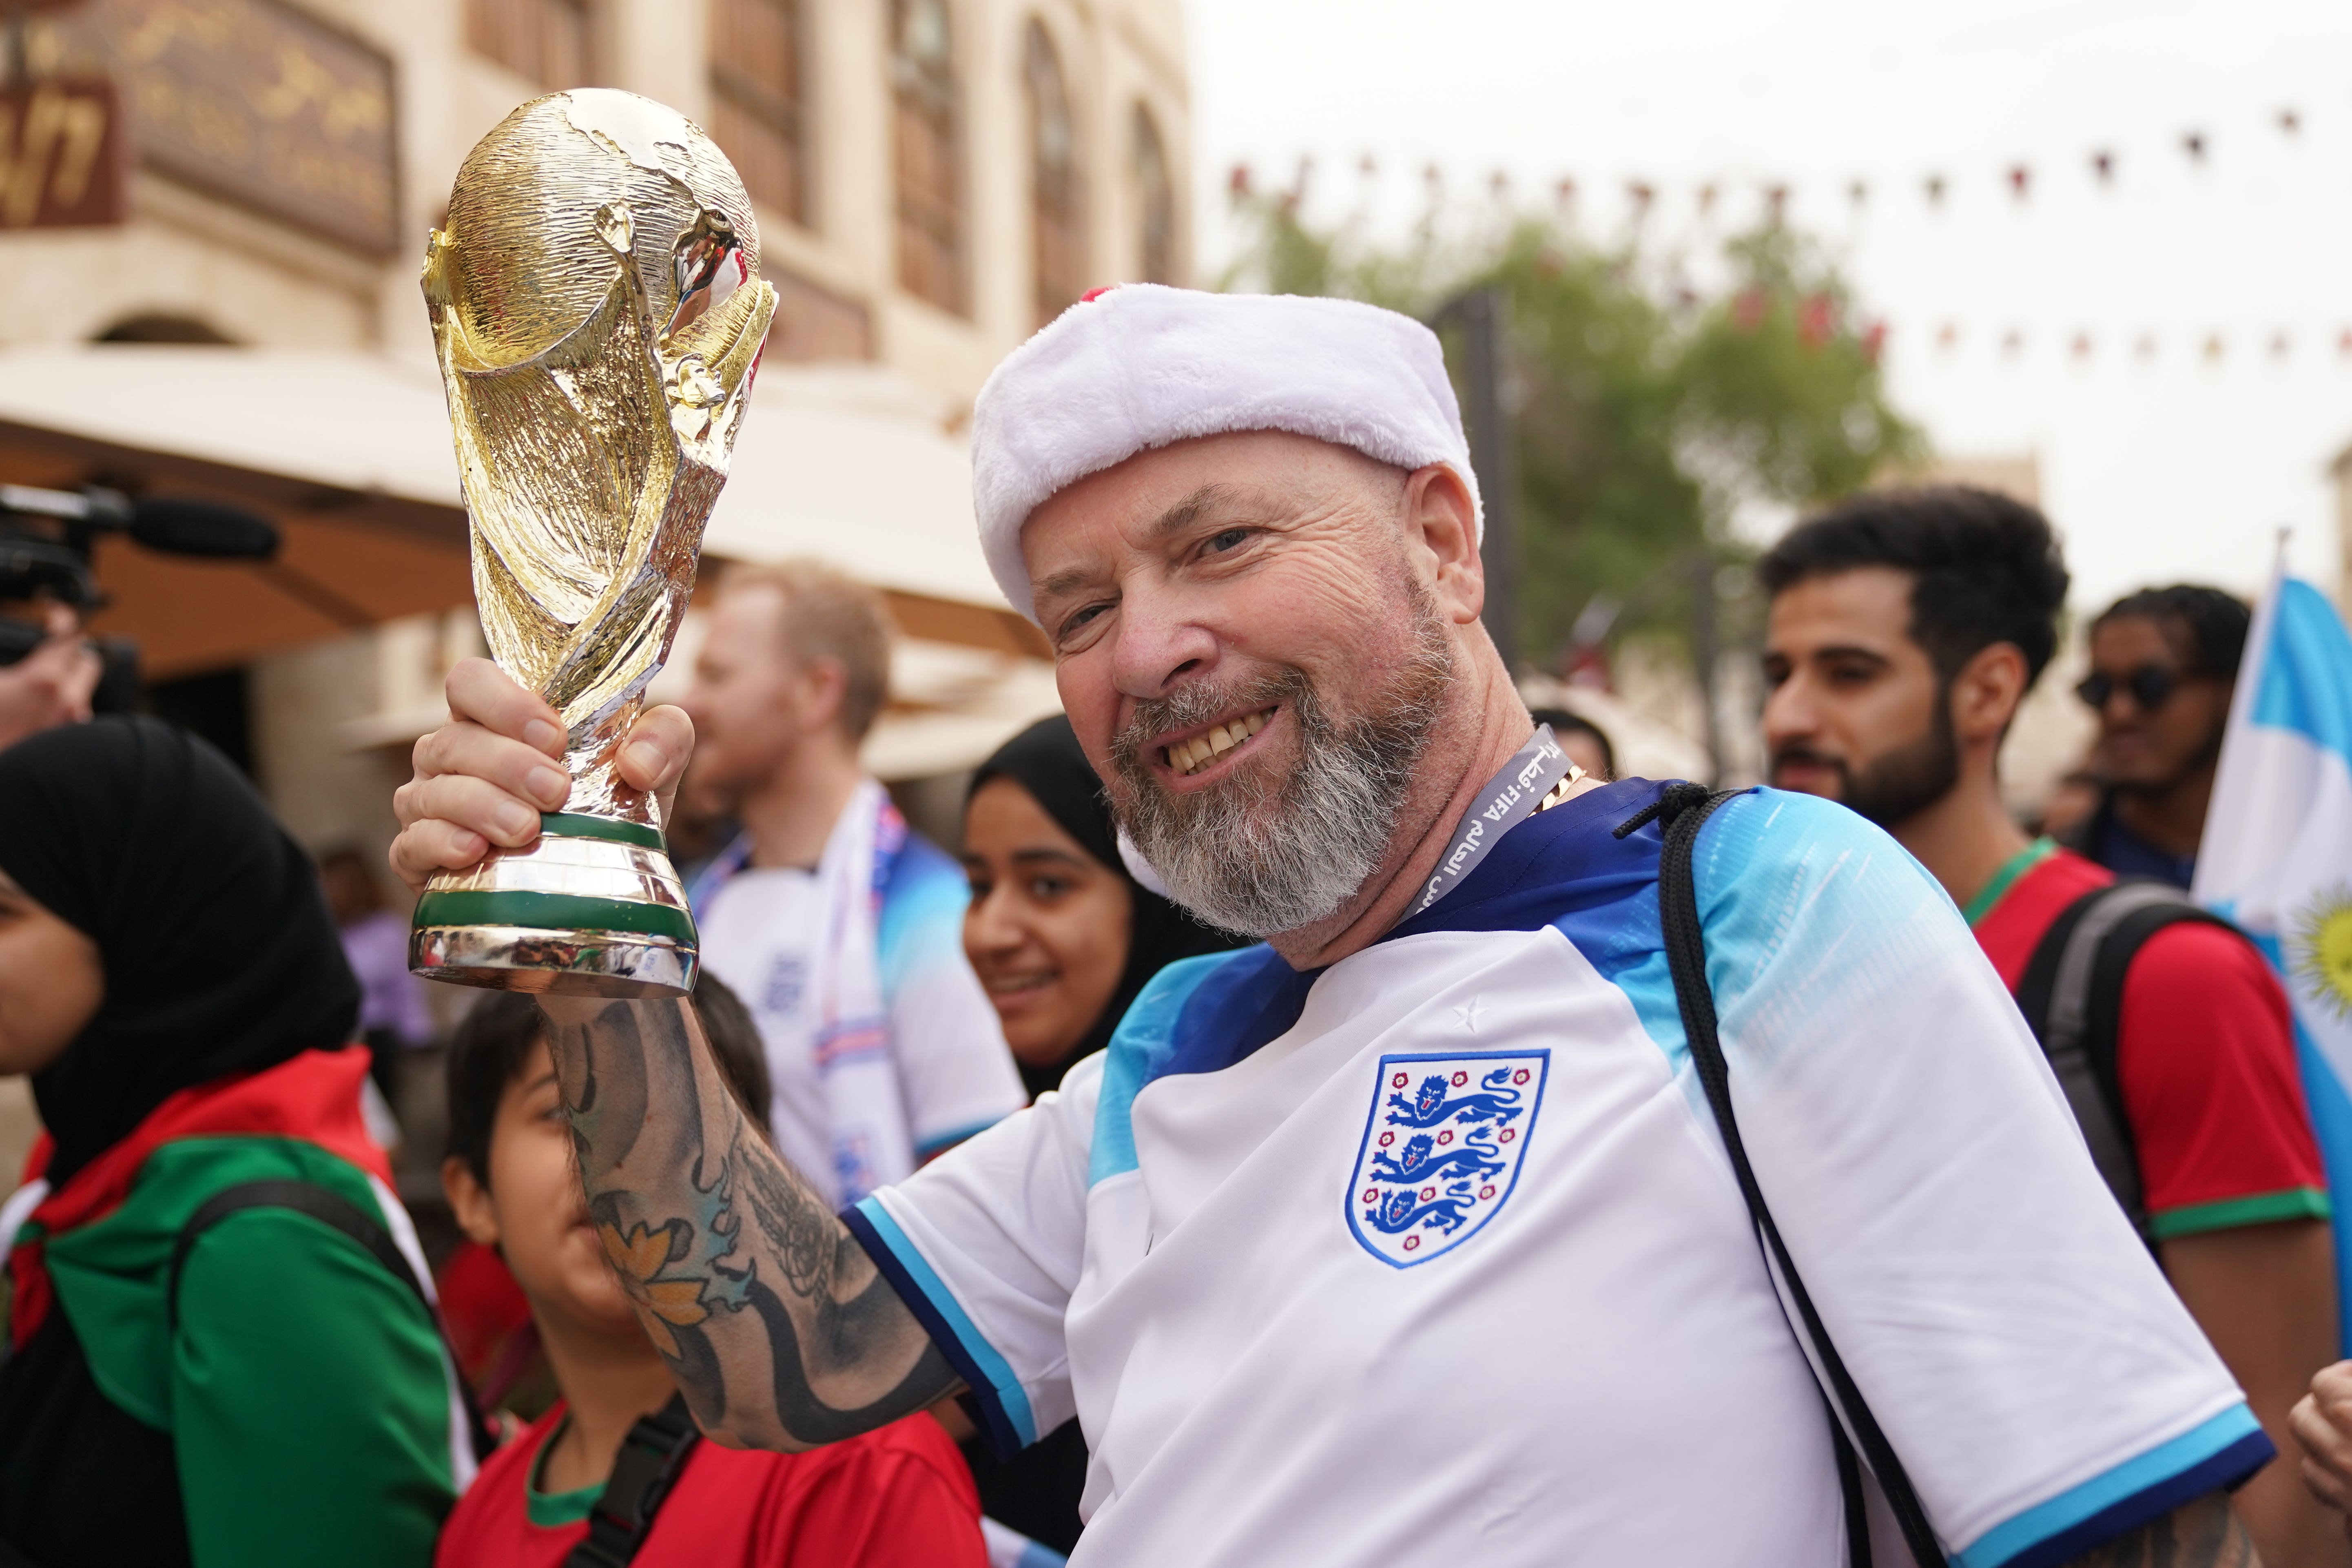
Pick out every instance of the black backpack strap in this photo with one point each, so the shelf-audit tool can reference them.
(2072, 995)
(328, 1208)
(1684, 808)
(332, 1210)
(652, 1456)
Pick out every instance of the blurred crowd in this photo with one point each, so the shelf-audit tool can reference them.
(873, 998)
(190, 994)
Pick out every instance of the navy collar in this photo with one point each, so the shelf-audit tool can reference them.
(1564, 858)
(1550, 865)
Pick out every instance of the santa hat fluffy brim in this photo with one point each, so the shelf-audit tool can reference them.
(1142, 366)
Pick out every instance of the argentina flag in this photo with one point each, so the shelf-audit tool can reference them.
(2277, 852)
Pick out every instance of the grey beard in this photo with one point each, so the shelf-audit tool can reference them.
(1260, 853)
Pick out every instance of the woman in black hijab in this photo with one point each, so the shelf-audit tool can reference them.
(1061, 935)
(253, 1387)
(1061, 938)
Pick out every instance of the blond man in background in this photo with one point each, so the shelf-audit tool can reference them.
(838, 925)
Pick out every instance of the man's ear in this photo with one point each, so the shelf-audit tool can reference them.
(824, 685)
(1441, 521)
(1987, 693)
(470, 1202)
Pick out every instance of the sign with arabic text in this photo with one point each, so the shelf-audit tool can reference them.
(262, 104)
(60, 154)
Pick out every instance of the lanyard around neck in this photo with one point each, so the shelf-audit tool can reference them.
(1509, 798)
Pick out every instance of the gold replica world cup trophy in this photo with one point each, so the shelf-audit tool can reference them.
(597, 311)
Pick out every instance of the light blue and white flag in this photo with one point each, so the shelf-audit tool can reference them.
(2277, 852)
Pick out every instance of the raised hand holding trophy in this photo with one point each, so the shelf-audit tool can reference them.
(597, 312)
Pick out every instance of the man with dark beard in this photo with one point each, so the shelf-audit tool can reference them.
(1906, 629)
(1406, 1237)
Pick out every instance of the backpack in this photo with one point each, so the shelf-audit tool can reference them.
(2073, 994)
(1683, 809)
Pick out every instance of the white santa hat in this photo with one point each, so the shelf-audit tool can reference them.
(1142, 365)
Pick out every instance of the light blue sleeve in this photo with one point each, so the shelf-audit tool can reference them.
(2038, 1377)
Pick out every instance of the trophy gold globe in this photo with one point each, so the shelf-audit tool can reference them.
(597, 313)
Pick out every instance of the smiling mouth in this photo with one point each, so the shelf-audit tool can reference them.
(1188, 757)
(1018, 985)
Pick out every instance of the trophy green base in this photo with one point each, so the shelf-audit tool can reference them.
(593, 909)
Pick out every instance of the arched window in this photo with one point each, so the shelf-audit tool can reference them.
(154, 327)
(1056, 219)
(1155, 193)
(929, 152)
(759, 99)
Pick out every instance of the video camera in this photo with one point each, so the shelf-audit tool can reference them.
(46, 538)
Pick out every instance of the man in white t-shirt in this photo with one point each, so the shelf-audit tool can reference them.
(840, 927)
(1408, 1238)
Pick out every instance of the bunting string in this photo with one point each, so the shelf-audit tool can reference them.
(2021, 180)
(2018, 183)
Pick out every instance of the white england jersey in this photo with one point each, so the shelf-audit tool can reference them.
(1436, 1252)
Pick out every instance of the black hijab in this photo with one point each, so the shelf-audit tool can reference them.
(1046, 759)
(219, 954)
(219, 959)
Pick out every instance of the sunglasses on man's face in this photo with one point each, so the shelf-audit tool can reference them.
(2151, 687)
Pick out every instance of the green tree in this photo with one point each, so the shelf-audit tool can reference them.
(1644, 413)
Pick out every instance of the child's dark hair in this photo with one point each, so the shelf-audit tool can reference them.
(495, 1039)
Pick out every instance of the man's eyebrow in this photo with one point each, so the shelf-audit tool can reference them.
(1175, 519)
(1187, 512)
(1068, 579)
(1849, 650)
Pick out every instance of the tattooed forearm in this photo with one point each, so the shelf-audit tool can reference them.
(781, 1330)
(2200, 1535)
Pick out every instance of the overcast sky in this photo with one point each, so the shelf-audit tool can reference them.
(2155, 466)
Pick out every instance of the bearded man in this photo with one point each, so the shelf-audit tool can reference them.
(1906, 629)
(1406, 1238)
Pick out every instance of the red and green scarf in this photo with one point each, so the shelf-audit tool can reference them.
(312, 1098)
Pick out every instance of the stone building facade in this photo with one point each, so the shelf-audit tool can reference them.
(933, 176)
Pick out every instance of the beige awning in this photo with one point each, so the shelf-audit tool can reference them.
(331, 447)
(350, 454)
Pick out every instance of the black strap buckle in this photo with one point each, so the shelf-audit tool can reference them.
(651, 1458)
